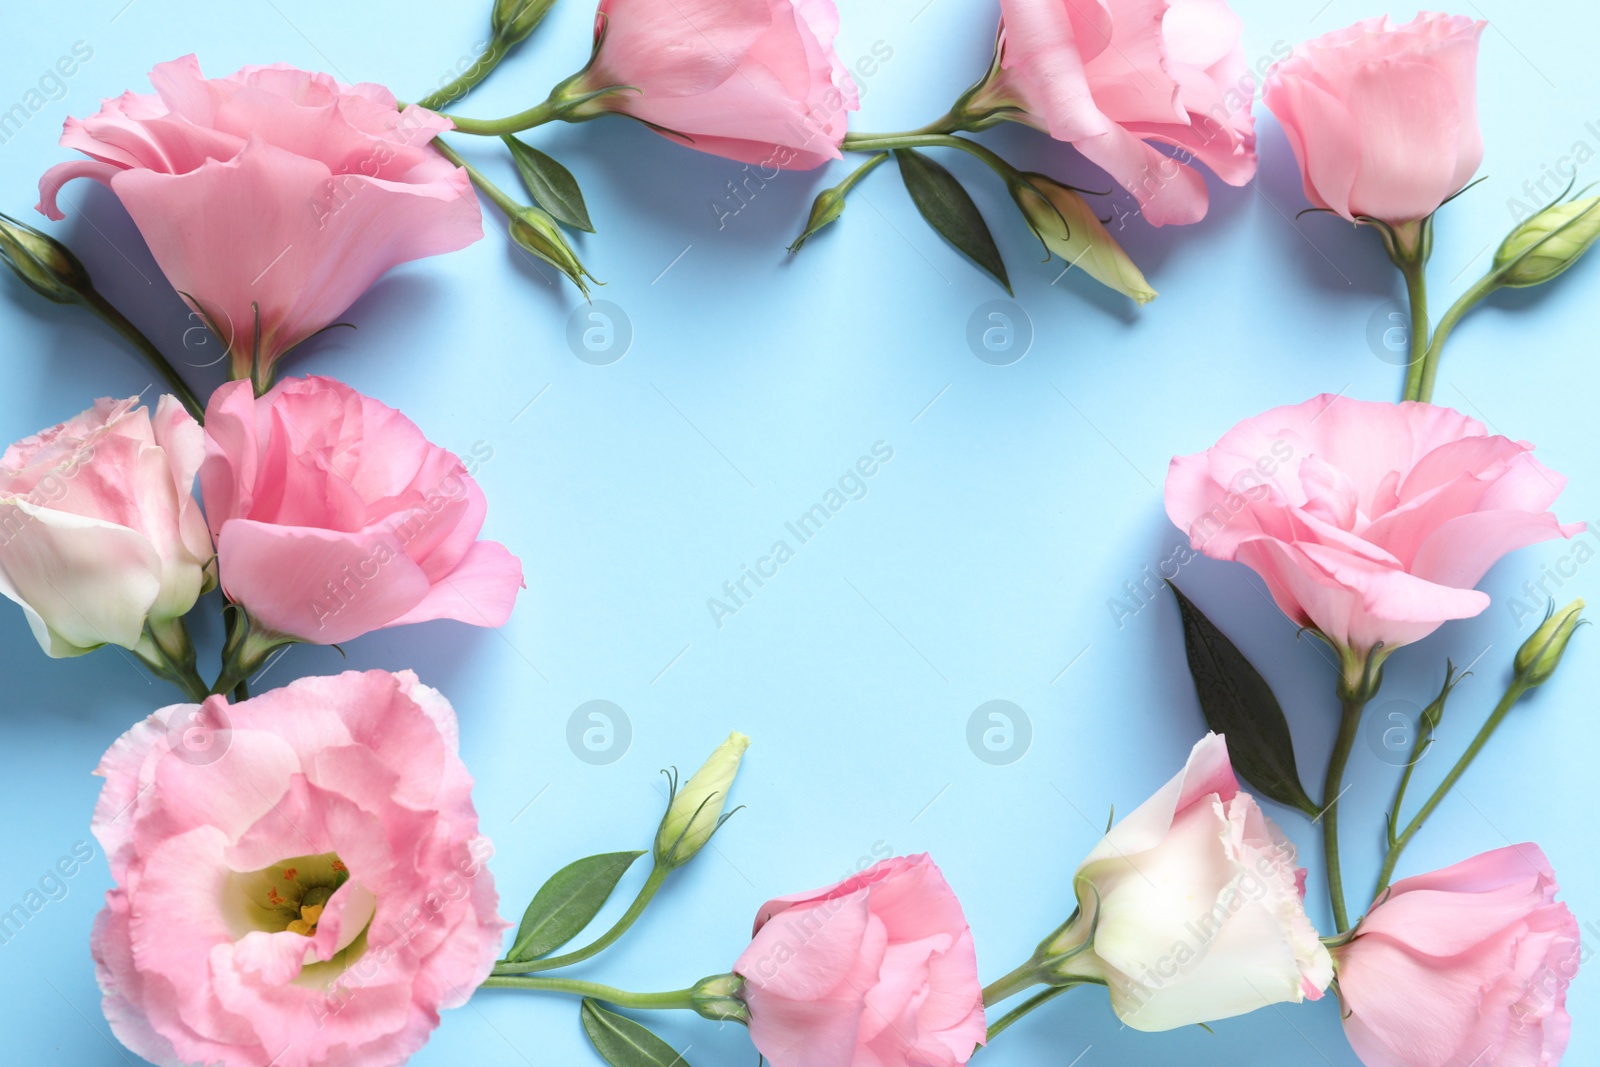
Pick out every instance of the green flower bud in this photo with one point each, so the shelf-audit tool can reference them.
(1062, 220)
(1548, 243)
(825, 210)
(513, 20)
(535, 231)
(721, 997)
(47, 266)
(695, 811)
(1541, 654)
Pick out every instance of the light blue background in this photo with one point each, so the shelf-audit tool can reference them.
(978, 567)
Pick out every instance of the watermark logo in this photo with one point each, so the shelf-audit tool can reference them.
(999, 332)
(199, 734)
(1389, 333)
(1391, 730)
(600, 333)
(999, 732)
(599, 732)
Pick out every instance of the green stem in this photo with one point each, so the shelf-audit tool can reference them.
(497, 195)
(888, 142)
(676, 999)
(1514, 692)
(119, 322)
(647, 892)
(1349, 726)
(1005, 1022)
(1012, 984)
(1429, 369)
(855, 176)
(468, 81)
(169, 654)
(1415, 274)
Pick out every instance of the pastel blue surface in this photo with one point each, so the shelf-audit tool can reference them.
(980, 564)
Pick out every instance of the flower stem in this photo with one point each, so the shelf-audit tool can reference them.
(1011, 984)
(1415, 274)
(1428, 369)
(1005, 1022)
(497, 195)
(468, 81)
(119, 322)
(1514, 692)
(1349, 725)
(537, 115)
(647, 892)
(165, 648)
(674, 1000)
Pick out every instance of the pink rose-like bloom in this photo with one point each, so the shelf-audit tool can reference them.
(756, 81)
(308, 888)
(878, 970)
(99, 530)
(1468, 965)
(334, 516)
(272, 188)
(1195, 906)
(1113, 76)
(1383, 118)
(1370, 522)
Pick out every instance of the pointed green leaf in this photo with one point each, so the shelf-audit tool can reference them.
(551, 184)
(567, 903)
(950, 211)
(622, 1042)
(1239, 704)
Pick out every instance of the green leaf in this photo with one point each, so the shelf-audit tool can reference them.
(567, 903)
(950, 211)
(551, 184)
(1238, 703)
(622, 1042)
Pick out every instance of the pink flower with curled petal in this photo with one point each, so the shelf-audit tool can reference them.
(1192, 908)
(1383, 118)
(307, 890)
(100, 534)
(272, 190)
(878, 970)
(1468, 965)
(1115, 77)
(334, 516)
(757, 81)
(1371, 523)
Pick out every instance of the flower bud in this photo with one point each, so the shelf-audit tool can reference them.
(1541, 654)
(512, 20)
(1062, 220)
(1548, 243)
(695, 811)
(719, 997)
(535, 231)
(825, 210)
(45, 264)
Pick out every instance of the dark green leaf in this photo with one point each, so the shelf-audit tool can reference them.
(622, 1042)
(1238, 703)
(949, 210)
(551, 184)
(567, 903)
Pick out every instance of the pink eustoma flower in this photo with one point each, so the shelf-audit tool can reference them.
(1116, 77)
(757, 81)
(100, 534)
(1383, 118)
(334, 516)
(274, 197)
(1468, 965)
(1370, 522)
(878, 970)
(304, 885)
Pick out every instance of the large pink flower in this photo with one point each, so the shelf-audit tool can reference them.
(272, 189)
(1383, 118)
(335, 516)
(1370, 522)
(753, 80)
(878, 970)
(100, 535)
(1468, 965)
(307, 888)
(1114, 76)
